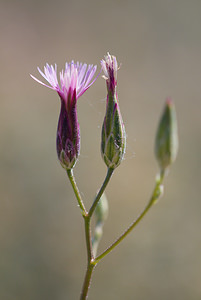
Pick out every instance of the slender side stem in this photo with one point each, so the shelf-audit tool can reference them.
(103, 187)
(153, 199)
(76, 191)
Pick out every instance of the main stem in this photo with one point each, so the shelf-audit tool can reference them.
(90, 258)
(87, 281)
(87, 220)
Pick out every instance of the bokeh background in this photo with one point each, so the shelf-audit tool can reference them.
(42, 246)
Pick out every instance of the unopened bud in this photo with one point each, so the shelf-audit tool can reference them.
(113, 131)
(101, 213)
(101, 210)
(166, 144)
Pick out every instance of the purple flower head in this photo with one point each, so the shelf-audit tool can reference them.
(113, 132)
(74, 81)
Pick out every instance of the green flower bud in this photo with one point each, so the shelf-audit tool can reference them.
(101, 211)
(101, 214)
(166, 144)
(113, 131)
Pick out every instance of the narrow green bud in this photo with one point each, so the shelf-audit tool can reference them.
(101, 211)
(113, 131)
(101, 214)
(166, 144)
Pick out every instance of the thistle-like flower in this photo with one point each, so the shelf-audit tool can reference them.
(74, 81)
(113, 132)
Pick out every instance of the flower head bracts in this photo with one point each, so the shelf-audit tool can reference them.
(74, 81)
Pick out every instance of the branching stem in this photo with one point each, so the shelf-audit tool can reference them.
(92, 261)
(155, 195)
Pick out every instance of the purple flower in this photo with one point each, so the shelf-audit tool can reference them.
(113, 132)
(74, 81)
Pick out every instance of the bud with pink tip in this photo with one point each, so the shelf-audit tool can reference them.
(113, 131)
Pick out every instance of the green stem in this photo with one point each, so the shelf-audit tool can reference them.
(87, 221)
(76, 191)
(90, 265)
(103, 187)
(90, 254)
(155, 195)
(87, 281)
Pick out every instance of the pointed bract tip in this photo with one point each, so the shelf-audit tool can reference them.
(169, 101)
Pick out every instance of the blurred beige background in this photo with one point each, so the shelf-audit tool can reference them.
(42, 248)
